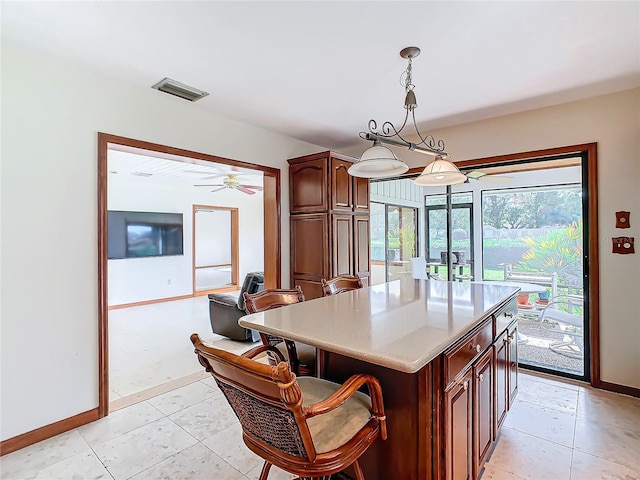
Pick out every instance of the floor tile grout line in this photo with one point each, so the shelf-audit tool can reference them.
(604, 458)
(566, 385)
(538, 437)
(522, 400)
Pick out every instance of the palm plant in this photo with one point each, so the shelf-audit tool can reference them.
(559, 251)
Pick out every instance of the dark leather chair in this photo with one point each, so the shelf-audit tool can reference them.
(225, 310)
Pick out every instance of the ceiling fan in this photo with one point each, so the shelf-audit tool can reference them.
(231, 181)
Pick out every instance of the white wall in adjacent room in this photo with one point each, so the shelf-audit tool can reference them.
(141, 279)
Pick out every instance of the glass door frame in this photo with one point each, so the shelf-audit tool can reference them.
(416, 226)
(590, 251)
(429, 208)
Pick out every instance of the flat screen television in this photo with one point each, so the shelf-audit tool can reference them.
(144, 234)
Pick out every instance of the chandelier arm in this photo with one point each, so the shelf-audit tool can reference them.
(429, 141)
(408, 145)
(388, 128)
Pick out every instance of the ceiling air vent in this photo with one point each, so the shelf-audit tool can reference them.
(179, 90)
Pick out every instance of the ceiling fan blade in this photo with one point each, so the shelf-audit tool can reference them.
(475, 174)
(219, 188)
(243, 189)
(210, 185)
(494, 178)
(214, 176)
(254, 187)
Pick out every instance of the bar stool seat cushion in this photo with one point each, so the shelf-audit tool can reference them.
(335, 428)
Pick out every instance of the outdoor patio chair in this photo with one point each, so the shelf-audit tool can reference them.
(560, 316)
(420, 270)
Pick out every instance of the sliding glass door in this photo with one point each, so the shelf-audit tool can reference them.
(462, 235)
(534, 236)
(393, 241)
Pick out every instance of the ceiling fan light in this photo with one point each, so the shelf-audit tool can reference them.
(376, 162)
(440, 172)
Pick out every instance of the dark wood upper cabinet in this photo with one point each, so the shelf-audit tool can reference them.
(361, 194)
(308, 186)
(322, 191)
(341, 185)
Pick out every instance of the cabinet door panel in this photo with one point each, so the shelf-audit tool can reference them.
(341, 185)
(458, 418)
(309, 249)
(360, 194)
(342, 241)
(310, 289)
(482, 410)
(513, 363)
(361, 245)
(308, 183)
(501, 352)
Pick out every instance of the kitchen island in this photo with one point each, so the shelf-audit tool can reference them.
(443, 354)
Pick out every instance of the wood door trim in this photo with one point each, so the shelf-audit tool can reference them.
(590, 150)
(235, 240)
(272, 241)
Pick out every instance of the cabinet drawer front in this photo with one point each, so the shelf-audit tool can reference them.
(465, 352)
(505, 316)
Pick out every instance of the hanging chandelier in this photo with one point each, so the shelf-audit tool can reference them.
(379, 161)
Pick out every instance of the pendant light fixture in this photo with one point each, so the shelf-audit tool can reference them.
(379, 161)
(440, 172)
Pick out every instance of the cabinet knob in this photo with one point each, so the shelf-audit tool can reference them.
(465, 385)
(508, 314)
(477, 349)
(481, 376)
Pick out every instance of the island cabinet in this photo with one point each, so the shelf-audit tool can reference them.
(443, 353)
(329, 221)
(469, 401)
(480, 375)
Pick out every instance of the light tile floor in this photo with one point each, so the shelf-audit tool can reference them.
(149, 344)
(555, 431)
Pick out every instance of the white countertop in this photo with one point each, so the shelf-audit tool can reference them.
(401, 325)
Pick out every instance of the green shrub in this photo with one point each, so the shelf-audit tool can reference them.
(559, 251)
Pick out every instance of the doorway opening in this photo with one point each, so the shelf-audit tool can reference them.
(215, 249)
(189, 163)
(394, 241)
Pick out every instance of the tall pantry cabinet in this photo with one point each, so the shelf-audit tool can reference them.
(329, 220)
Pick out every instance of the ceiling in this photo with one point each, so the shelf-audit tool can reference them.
(318, 71)
(146, 167)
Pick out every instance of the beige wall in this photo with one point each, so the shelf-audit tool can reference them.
(52, 111)
(613, 121)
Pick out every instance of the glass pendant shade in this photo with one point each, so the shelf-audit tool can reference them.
(440, 172)
(376, 162)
